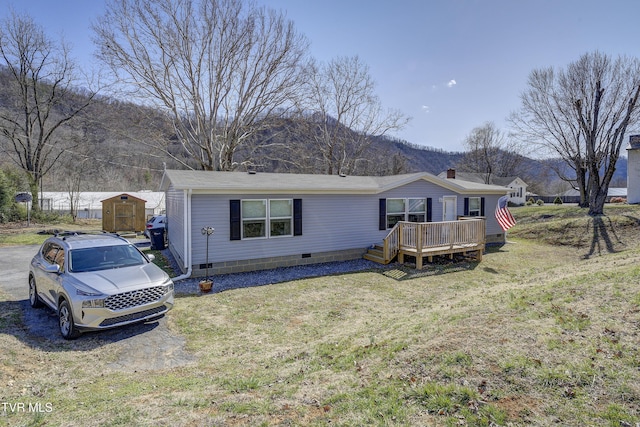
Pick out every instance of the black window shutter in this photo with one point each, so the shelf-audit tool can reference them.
(429, 209)
(466, 206)
(382, 219)
(297, 217)
(482, 206)
(234, 220)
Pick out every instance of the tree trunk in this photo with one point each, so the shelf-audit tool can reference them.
(581, 179)
(35, 192)
(597, 198)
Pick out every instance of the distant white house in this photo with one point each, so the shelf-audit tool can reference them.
(517, 187)
(633, 169)
(89, 202)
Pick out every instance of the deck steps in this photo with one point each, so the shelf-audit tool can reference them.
(376, 254)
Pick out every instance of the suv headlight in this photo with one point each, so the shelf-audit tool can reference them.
(93, 303)
(90, 303)
(167, 286)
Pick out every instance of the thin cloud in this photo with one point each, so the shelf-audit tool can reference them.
(425, 108)
(451, 83)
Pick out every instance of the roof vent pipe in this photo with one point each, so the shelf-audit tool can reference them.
(451, 173)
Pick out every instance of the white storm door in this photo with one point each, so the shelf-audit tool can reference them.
(449, 205)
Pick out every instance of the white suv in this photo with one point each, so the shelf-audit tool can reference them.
(97, 281)
(158, 221)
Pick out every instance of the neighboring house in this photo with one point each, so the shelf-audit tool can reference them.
(633, 169)
(517, 187)
(89, 203)
(268, 220)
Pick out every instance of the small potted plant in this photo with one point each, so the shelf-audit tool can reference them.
(206, 284)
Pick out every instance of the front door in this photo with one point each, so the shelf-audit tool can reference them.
(449, 206)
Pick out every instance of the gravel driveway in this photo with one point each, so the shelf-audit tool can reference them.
(138, 347)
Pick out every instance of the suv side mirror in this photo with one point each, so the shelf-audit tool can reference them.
(51, 268)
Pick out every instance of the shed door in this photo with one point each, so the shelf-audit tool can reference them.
(124, 217)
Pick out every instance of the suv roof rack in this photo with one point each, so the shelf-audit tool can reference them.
(68, 233)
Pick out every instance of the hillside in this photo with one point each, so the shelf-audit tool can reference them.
(117, 146)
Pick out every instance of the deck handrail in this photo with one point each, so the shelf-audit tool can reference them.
(425, 235)
(391, 243)
(422, 236)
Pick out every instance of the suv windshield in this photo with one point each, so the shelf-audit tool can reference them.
(104, 258)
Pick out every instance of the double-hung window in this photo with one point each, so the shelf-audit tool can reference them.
(280, 217)
(417, 210)
(475, 206)
(254, 219)
(412, 210)
(264, 218)
(395, 211)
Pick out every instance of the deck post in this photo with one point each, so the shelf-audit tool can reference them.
(418, 229)
(400, 243)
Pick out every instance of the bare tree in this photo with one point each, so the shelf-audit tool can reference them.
(582, 114)
(346, 113)
(488, 151)
(41, 79)
(217, 67)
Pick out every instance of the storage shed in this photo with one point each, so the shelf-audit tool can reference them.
(123, 212)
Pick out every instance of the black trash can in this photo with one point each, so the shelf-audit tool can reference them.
(156, 236)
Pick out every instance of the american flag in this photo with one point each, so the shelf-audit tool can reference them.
(504, 217)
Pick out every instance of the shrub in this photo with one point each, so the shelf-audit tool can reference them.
(557, 200)
(539, 202)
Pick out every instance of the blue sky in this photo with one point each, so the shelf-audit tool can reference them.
(451, 65)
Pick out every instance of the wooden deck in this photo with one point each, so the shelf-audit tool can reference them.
(429, 239)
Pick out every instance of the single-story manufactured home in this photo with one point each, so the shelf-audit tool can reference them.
(268, 220)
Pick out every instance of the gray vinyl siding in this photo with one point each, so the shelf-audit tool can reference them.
(490, 203)
(330, 222)
(424, 189)
(175, 223)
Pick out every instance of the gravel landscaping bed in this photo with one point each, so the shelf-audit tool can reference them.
(225, 282)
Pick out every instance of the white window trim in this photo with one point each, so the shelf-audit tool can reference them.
(479, 210)
(267, 219)
(406, 208)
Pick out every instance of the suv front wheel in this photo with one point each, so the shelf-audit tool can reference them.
(65, 317)
(34, 299)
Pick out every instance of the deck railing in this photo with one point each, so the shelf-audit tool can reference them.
(391, 243)
(425, 238)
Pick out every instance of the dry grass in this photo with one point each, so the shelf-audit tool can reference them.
(539, 333)
(24, 233)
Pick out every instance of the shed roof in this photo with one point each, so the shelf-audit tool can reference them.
(121, 196)
(260, 183)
